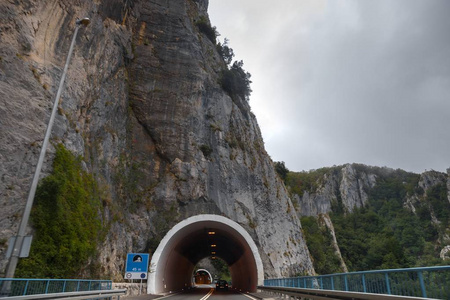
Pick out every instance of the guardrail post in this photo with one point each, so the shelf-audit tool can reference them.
(332, 282)
(346, 283)
(422, 284)
(388, 286)
(26, 288)
(78, 286)
(364, 282)
(321, 283)
(64, 286)
(46, 286)
(90, 282)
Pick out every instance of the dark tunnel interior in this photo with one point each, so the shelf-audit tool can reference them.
(184, 247)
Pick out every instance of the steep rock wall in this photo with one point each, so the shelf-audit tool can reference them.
(342, 189)
(342, 184)
(143, 106)
(350, 185)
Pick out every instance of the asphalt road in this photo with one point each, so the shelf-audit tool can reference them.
(205, 293)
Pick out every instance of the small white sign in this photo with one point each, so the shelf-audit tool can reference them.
(135, 275)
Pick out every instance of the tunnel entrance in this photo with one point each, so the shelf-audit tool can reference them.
(202, 276)
(201, 236)
(216, 266)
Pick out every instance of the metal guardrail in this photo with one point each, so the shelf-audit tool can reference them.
(328, 294)
(430, 282)
(27, 286)
(100, 294)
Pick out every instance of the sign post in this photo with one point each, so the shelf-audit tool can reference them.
(137, 267)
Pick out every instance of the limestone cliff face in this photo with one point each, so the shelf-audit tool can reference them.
(350, 185)
(344, 188)
(341, 184)
(143, 106)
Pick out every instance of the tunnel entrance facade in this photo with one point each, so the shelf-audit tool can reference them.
(202, 276)
(201, 236)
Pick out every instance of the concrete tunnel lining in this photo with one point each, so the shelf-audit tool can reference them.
(173, 262)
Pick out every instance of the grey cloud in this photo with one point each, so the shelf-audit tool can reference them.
(350, 81)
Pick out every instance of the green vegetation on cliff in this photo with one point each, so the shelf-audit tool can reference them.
(222, 268)
(205, 27)
(65, 217)
(299, 182)
(234, 79)
(319, 242)
(385, 233)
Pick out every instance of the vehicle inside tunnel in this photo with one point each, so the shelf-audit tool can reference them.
(188, 242)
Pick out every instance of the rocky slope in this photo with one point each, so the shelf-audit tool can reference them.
(143, 107)
(342, 189)
(350, 185)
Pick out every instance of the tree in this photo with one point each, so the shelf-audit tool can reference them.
(234, 79)
(281, 169)
(236, 82)
(205, 27)
(225, 51)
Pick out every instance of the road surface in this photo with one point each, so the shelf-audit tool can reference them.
(204, 293)
(207, 293)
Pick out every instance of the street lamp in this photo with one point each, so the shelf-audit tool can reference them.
(18, 241)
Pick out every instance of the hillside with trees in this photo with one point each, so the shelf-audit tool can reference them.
(400, 220)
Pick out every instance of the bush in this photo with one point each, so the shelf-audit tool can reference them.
(437, 196)
(204, 27)
(236, 82)
(66, 220)
(234, 79)
(225, 52)
(281, 169)
(206, 149)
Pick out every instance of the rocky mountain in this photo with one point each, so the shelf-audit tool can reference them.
(414, 209)
(349, 185)
(144, 108)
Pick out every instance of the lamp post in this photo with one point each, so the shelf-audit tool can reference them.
(18, 241)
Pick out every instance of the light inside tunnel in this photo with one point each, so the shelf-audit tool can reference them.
(189, 241)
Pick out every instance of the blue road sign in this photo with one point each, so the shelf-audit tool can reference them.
(136, 266)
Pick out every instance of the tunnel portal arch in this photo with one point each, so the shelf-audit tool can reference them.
(200, 236)
(210, 278)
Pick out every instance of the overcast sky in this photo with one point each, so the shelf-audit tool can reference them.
(345, 81)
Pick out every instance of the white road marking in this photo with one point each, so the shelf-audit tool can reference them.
(167, 296)
(170, 295)
(249, 296)
(208, 295)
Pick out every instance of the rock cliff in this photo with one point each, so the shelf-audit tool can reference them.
(349, 185)
(390, 194)
(142, 105)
